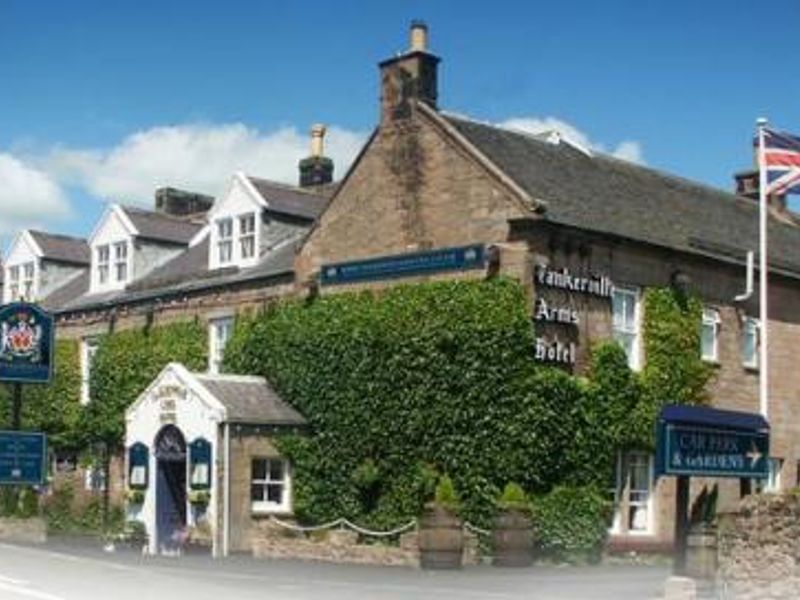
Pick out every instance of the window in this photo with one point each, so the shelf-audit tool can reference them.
(220, 331)
(121, 260)
(625, 307)
(13, 276)
(750, 343)
(88, 350)
(225, 241)
(270, 485)
(709, 335)
(94, 479)
(28, 271)
(633, 493)
(103, 256)
(247, 235)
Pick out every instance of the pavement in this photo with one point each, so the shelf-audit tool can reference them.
(66, 570)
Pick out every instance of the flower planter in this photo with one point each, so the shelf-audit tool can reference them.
(441, 539)
(512, 539)
(701, 551)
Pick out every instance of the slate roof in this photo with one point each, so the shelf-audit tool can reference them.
(160, 227)
(62, 247)
(293, 201)
(186, 273)
(250, 400)
(67, 293)
(610, 196)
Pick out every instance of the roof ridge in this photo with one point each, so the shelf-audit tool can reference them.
(230, 377)
(625, 164)
(62, 236)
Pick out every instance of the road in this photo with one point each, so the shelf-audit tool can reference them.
(59, 572)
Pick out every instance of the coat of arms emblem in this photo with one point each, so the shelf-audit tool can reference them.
(21, 338)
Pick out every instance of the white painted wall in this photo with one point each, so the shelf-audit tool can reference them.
(23, 250)
(240, 199)
(196, 414)
(111, 229)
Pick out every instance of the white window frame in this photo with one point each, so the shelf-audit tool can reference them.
(103, 254)
(712, 320)
(88, 349)
(121, 269)
(13, 285)
(751, 326)
(264, 506)
(220, 331)
(622, 495)
(247, 236)
(94, 479)
(623, 328)
(224, 233)
(28, 285)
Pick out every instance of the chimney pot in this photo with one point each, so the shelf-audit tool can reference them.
(419, 36)
(318, 140)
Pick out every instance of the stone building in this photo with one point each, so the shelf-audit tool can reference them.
(446, 196)
(587, 234)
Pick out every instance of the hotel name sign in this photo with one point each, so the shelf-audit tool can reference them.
(551, 348)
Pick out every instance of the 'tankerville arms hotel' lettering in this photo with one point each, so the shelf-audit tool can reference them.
(555, 350)
(563, 279)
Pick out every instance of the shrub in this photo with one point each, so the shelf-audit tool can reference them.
(446, 495)
(514, 498)
(57, 509)
(571, 523)
(28, 505)
(8, 502)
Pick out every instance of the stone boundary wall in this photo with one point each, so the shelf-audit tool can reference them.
(759, 549)
(25, 531)
(342, 546)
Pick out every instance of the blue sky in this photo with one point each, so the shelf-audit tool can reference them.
(107, 100)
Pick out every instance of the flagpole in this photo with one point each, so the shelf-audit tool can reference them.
(763, 351)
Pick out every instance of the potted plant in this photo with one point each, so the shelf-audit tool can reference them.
(701, 542)
(512, 532)
(135, 496)
(441, 537)
(199, 497)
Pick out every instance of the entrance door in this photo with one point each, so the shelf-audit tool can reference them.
(170, 450)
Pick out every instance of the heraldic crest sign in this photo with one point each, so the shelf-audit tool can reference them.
(26, 343)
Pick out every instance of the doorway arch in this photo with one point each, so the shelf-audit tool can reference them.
(170, 454)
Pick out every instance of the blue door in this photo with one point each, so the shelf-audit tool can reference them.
(170, 450)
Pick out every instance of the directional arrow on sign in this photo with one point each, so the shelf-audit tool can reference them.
(754, 455)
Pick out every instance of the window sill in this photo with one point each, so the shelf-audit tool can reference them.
(750, 368)
(271, 512)
(712, 362)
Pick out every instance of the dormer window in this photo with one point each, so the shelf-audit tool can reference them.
(27, 281)
(225, 240)
(103, 258)
(247, 235)
(13, 276)
(121, 260)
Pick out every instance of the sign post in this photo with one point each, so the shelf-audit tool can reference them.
(707, 442)
(26, 356)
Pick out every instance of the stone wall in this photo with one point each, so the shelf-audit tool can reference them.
(345, 546)
(759, 549)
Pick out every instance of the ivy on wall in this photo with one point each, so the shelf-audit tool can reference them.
(53, 408)
(439, 378)
(126, 362)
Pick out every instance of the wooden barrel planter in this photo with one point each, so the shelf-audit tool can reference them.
(701, 552)
(441, 539)
(512, 539)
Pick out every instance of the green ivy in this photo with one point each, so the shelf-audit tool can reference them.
(53, 408)
(126, 362)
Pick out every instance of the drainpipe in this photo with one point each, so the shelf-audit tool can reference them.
(749, 282)
(226, 515)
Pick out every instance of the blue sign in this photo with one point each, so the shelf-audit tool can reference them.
(200, 464)
(26, 343)
(405, 265)
(138, 466)
(685, 449)
(23, 458)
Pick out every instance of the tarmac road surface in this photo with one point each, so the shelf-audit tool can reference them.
(60, 571)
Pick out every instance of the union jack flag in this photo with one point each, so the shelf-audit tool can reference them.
(782, 161)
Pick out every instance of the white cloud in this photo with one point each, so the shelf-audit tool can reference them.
(626, 150)
(28, 196)
(198, 157)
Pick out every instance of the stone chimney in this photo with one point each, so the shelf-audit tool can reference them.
(180, 203)
(747, 187)
(411, 75)
(316, 169)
